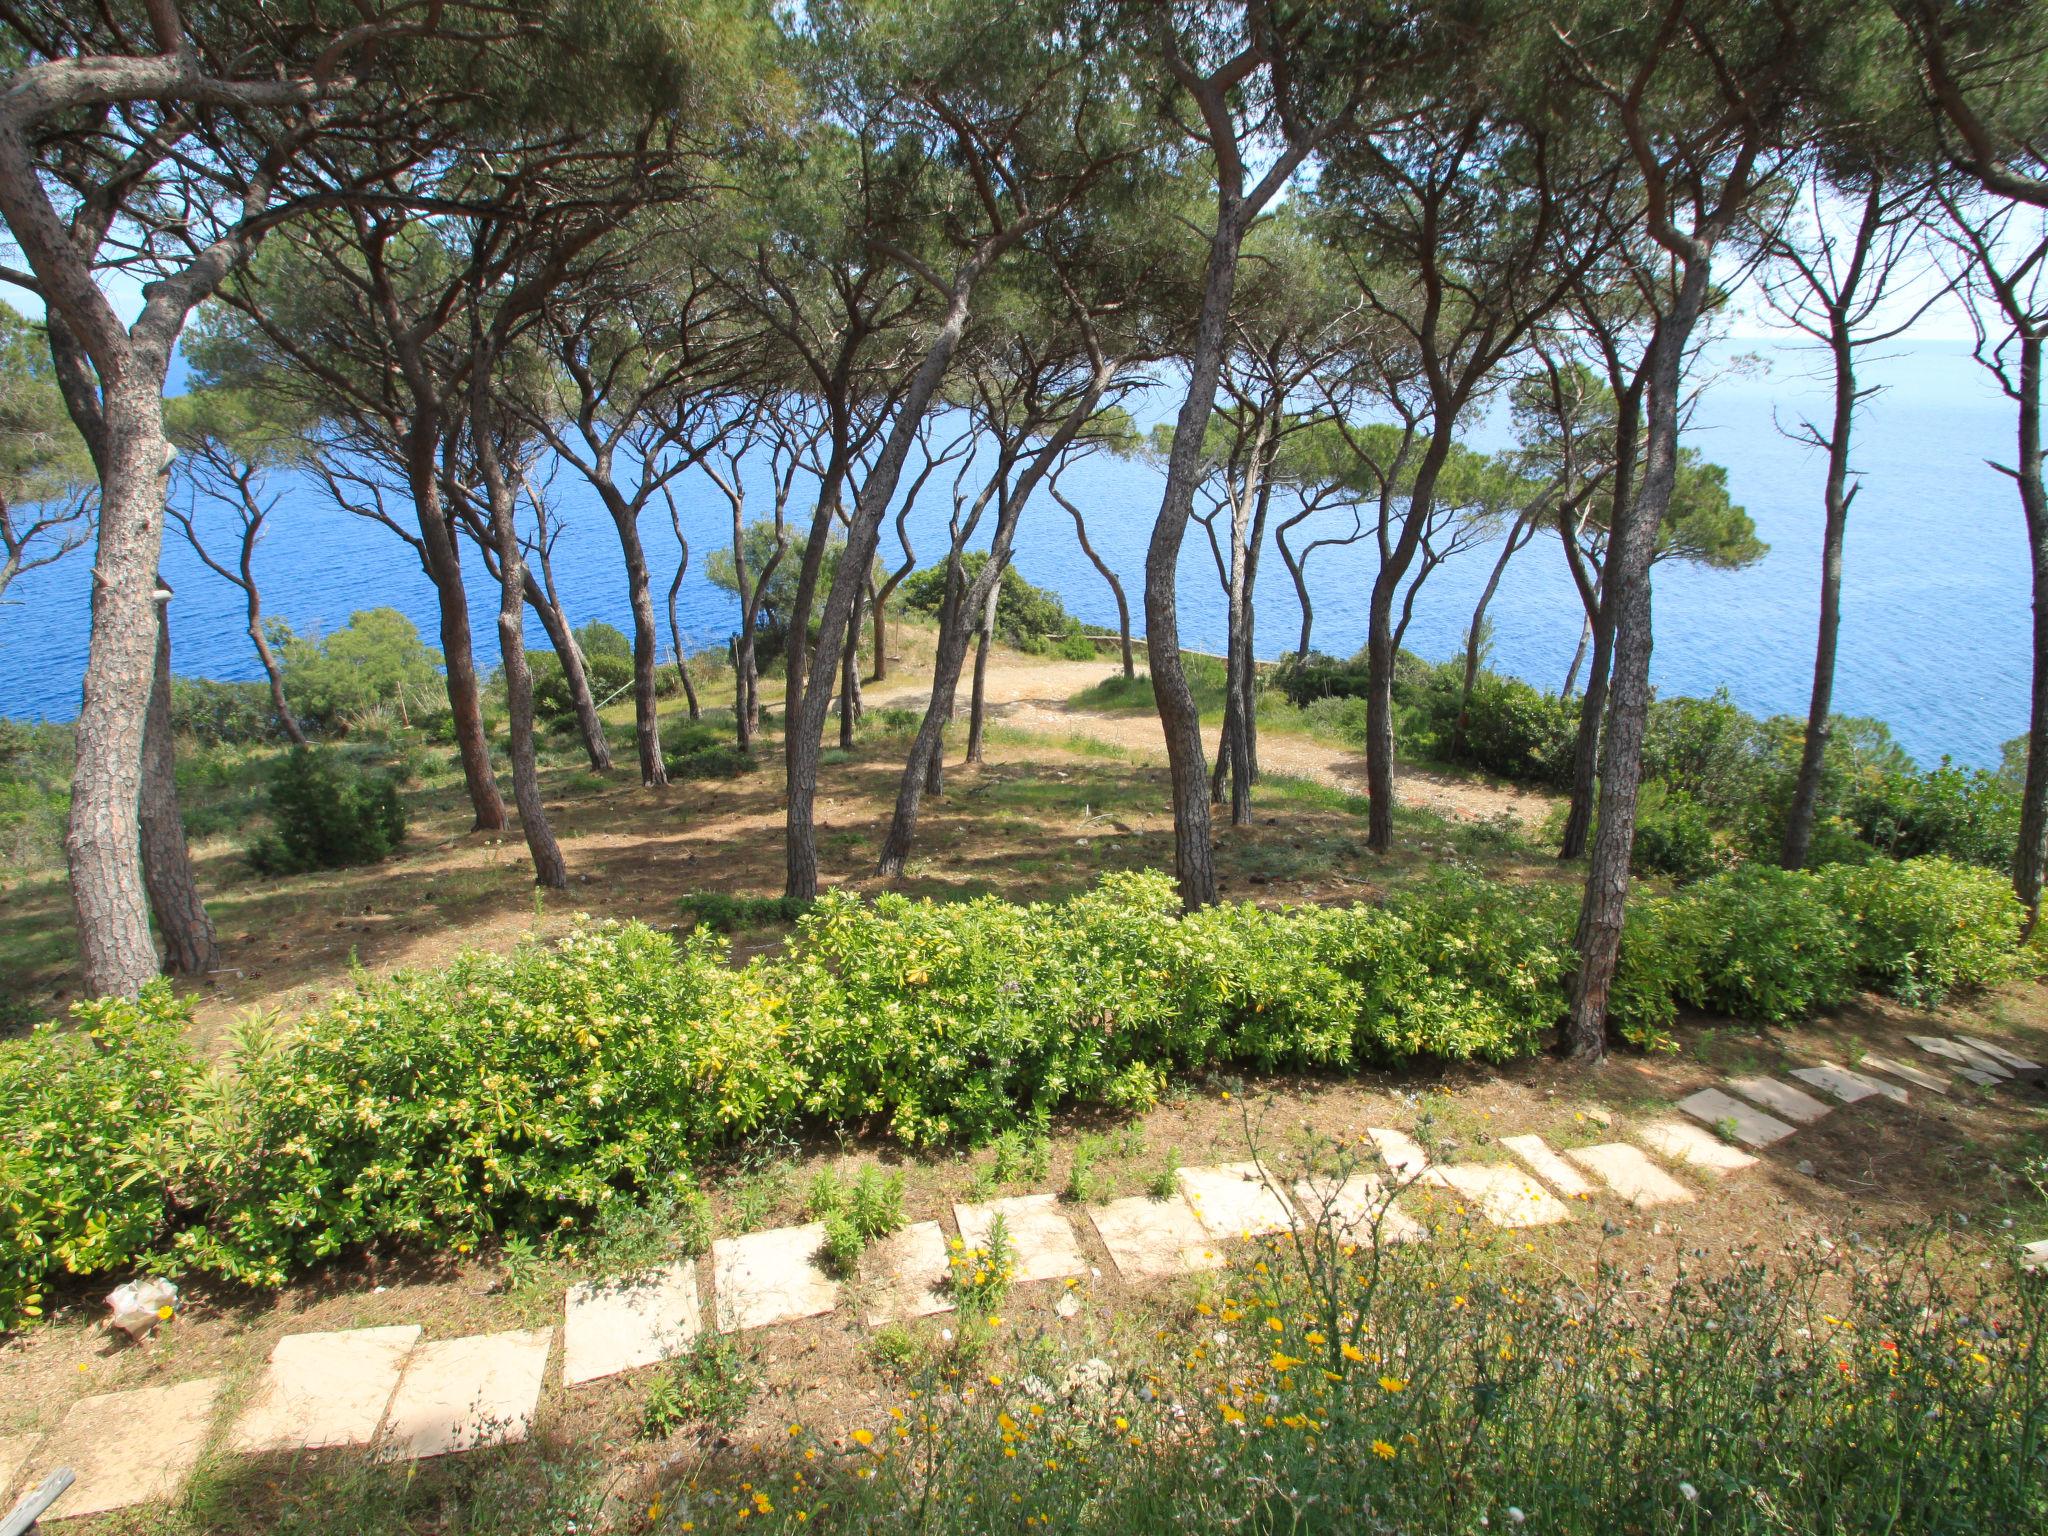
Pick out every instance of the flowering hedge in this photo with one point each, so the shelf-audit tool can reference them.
(522, 1091)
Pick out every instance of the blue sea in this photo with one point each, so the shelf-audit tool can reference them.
(1936, 593)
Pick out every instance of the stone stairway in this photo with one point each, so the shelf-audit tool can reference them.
(389, 1393)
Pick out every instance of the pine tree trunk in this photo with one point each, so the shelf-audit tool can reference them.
(849, 675)
(443, 561)
(1630, 550)
(102, 843)
(190, 947)
(1799, 820)
(1116, 588)
(547, 608)
(646, 651)
(878, 606)
(1571, 674)
(2033, 841)
(271, 670)
(1383, 646)
(978, 702)
(1472, 638)
(1578, 821)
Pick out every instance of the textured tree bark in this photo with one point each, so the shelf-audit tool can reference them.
(102, 842)
(547, 607)
(285, 718)
(1194, 857)
(977, 704)
(646, 650)
(1631, 547)
(1799, 820)
(878, 610)
(1593, 596)
(548, 867)
(1571, 673)
(2032, 854)
(1578, 821)
(190, 947)
(849, 674)
(1382, 646)
(443, 561)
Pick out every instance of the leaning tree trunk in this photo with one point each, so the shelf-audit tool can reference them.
(1631, 549)
(190, 947)
(102, 843)
(646, 649)
(1805, 807)
(1244, 746)
(1571, 673)
(548, 609)
(548, 867)
(849, 675)
(924, 769)
(264, 654)
(1116, 588)
(2033, 843)
(1194, 857)
(878, 609)
(1477, 629)
(443, 561)
(1382, 647)
(1578, 821)
(978, 702)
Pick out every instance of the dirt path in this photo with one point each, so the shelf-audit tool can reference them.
(1033, 696)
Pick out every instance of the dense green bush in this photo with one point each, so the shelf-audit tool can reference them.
(1030, 618)
(1927, 927)
(607, 668)
(1967, 814)
(35, 791)
(722, 912)
(1769, 947)
(1674, 835)
(221, 714)
(373, 663)
(328, 812)
(85, 1116)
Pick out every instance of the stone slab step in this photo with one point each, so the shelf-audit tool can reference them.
(1710, 1106)
(1962, 1056)
(1680, 1141)
(618, 1325)
(1042, 1241)
(129, 1447)
(1904, 1071)
(320, 1390)
(2000, 1053)
(1403, 1154)
(1849, 1087)
(906, 1275)
(768, 1277)
(2035, 1255)
(1151, 1239)
(1505, 1195)
(1543, 1161)
(464, 1394)
(1632, 1176)
(1780, 1098)
(1358, 1206)
(15, 1451)
(1233, 1201)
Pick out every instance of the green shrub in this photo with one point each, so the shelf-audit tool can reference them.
(607, 668)
(328, 813)
(86, 1142)
(1030, 618)
(1510, 730)
(376, 661)
(1964, 814)
(500, 1093)
(1674, 835)
(219, 713)
(1927, 927)
(723, 913)
(724, 761)
(1770, 946)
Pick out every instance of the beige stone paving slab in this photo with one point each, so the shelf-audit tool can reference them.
(770, 1277)
(1353, 1205)
(1152, 1239)
(1041, 1239)
(1752, 1126)
(1683, 1142)
(2000, 1053)
(14, 1456)
(615, 1325)
(1403, 1154)
(1981, 1079)
(906, 1274)
(464, 1394)
(1961, 1055)
(1234, 1201)
(1631, 1175)
(1849, 1087)
(1780, 1098)
(1905, 1071)
(1543, 1161)
(129, 1447)
(323, 1389)
(1506, 1196)
(2035, 1255)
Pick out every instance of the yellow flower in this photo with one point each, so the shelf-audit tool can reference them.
(863, 1437)
(1393, 1384)
(1354, 1354)
(165, 1312)
(1384, 1451)
(795, 1430)
(654, 1510)
(1230, 1414)
(1283, 1362)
